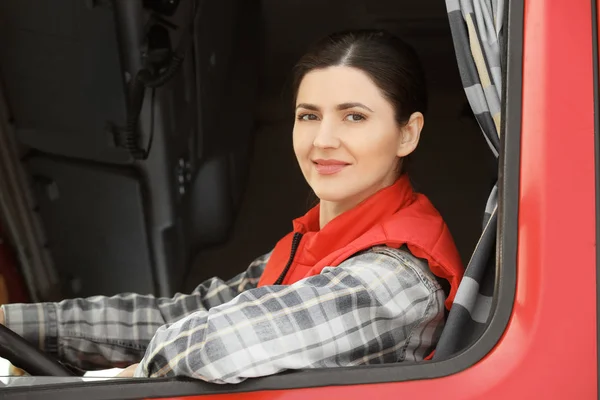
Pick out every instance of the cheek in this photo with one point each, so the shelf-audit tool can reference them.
(377, 146)
(298, 144)
(301, 143)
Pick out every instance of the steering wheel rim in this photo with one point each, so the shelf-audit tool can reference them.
(24, 355)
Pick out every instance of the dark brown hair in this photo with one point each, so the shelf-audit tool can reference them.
(391, 63)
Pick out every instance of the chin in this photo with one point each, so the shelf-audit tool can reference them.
(333, 193)
(331, 197)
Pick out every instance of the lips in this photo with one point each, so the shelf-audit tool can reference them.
(329, 167)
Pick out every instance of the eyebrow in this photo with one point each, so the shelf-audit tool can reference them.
(308, 106)
(343, 106)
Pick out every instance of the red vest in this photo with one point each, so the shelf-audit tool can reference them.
(394, 216)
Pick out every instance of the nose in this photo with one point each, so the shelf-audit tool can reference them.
(326, 136)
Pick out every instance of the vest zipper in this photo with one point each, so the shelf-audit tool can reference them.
(295, 243)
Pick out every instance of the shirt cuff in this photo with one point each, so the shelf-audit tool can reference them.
(36, 323)
(139, 371)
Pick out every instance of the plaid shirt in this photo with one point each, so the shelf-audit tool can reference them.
(380, 306)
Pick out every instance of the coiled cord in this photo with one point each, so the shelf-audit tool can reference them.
(145, 79)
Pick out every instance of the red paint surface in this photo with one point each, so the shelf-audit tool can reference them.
(549, 348)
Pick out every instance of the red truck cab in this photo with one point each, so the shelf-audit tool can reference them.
(542, 341)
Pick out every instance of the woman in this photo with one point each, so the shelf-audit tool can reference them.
(354, 283)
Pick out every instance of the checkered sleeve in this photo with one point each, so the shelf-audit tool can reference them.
(381, 306)
(104, 332)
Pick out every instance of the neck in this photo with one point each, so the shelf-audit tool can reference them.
(328, 210)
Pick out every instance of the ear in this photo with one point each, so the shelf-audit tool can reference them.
(411, 133)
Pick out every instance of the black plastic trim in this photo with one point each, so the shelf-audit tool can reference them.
(503, 304)
(597, 172)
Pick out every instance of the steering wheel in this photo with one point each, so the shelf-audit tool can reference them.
(24, 355)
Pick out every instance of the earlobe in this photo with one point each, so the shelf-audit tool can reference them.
(410, 134)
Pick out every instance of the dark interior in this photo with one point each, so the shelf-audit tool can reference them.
(221, 184)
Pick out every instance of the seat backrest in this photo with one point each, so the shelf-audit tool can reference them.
(228, 47)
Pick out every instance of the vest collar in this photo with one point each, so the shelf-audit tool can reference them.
(345, 228)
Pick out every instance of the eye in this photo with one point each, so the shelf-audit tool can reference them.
(354, 117)
(307, 117)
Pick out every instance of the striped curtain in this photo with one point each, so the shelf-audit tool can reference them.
(476, 27)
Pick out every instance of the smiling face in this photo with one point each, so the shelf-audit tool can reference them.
(346, 137)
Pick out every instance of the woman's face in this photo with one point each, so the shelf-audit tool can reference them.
(346, 137)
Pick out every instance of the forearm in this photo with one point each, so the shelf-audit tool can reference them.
(104, 332)
(98, 332)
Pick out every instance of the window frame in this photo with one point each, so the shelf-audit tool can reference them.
(596, 77)
(502, 306)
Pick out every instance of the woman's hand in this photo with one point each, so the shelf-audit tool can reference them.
(128, 372)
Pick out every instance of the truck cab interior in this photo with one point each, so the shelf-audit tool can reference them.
(196, 177)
